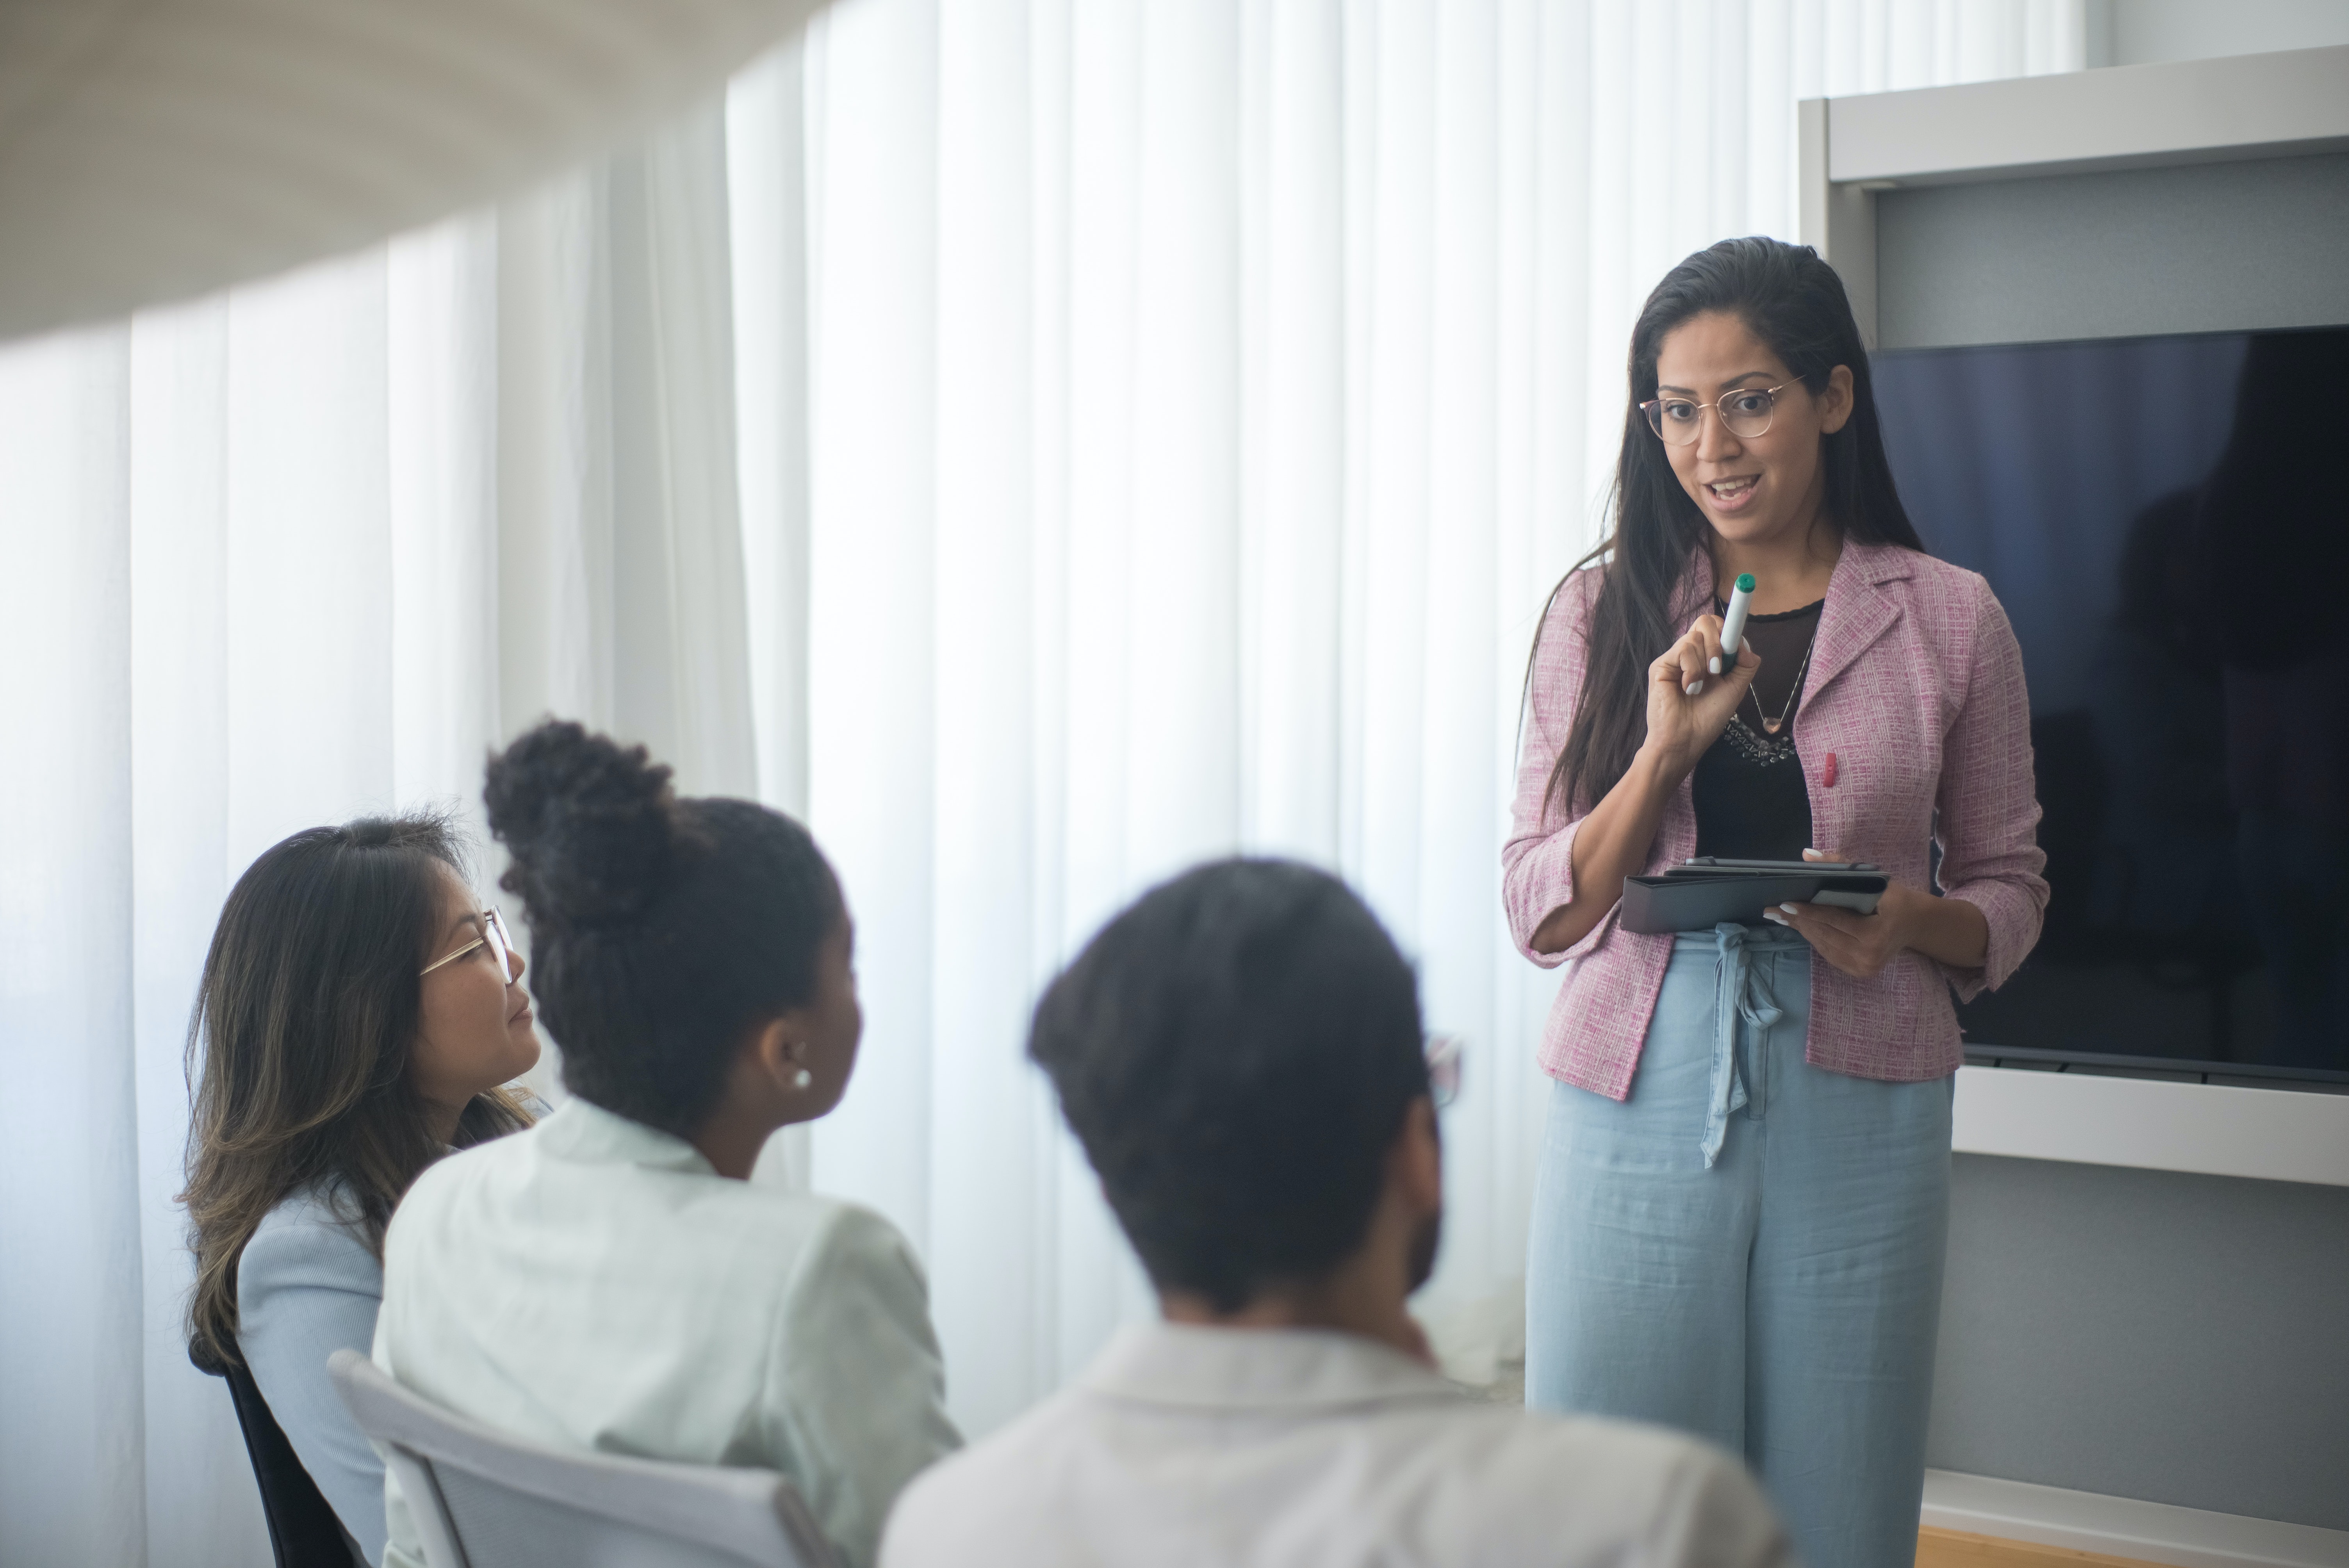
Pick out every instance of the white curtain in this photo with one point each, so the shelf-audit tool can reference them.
(285, 557)
(1198, 402)
(1043, 442)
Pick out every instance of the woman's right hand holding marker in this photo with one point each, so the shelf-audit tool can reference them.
(1692, 695)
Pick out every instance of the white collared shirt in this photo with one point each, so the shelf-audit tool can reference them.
(1310, 1449)
(593, 1283)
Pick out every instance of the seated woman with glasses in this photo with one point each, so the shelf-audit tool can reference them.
(358, 1013)
(612, 1280)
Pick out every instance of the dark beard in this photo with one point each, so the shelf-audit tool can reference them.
(1425, 1244)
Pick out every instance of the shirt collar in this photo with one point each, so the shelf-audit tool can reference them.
(583, 1130)
(1205, 1367)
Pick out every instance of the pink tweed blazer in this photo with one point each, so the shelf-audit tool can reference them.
(1916, 691)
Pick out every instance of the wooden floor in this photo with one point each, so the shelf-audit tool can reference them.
(1950, 1549)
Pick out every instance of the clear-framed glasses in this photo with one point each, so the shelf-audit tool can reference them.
(1444, 1053)
(494, 937)
(1746, 412)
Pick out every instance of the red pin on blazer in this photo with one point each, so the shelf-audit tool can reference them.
(1828, 776)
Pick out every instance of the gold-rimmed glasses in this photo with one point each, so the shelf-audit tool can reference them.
(1746, 412)
(494, 937)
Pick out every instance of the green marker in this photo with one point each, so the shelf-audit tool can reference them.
(1732, 626)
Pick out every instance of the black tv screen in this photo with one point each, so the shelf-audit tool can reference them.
(2166, 523)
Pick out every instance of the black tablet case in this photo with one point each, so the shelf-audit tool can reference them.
(1698, 898)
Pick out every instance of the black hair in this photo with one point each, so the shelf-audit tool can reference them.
(661, 928)
(1793, 301)
(1237, 1052)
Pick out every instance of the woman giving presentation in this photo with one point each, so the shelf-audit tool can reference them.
(1743, 1193)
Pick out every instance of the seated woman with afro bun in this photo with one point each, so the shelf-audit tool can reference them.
(610, 1280)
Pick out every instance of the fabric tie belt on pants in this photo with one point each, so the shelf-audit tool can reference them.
(1739, 992)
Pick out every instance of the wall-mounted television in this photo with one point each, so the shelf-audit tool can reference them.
(2165, 521)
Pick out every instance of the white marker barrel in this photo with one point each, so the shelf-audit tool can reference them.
(1732, 626)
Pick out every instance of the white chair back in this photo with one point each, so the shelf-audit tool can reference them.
(483, 1499)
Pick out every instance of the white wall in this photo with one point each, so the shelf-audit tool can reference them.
(2143, 32)
(2139, 1334)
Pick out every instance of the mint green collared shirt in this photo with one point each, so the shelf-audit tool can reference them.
(593, 1284)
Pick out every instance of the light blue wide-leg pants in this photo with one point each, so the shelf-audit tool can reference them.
(1749, 1249)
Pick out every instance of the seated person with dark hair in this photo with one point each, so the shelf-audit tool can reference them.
(1241, 1054)
(612, 1280)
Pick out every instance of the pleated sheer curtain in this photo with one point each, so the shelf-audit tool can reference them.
(1042, 442)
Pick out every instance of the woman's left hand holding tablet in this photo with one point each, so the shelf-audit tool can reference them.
(1948, 929)
(1858, 945)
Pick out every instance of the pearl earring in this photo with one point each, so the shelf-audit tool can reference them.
(802, 1078)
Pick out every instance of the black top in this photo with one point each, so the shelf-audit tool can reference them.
(1751, 801)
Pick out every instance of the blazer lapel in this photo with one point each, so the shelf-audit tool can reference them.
(1857, 611)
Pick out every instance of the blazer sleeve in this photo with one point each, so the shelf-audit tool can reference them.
(856, 1384)
(1537, 860)
(1989, 803)
(307, 1287)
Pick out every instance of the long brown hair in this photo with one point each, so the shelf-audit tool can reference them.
(298, 1050)
(1793, 301)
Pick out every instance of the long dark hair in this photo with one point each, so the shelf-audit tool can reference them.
(298, 1050)
(1795, 302)
(662, 928)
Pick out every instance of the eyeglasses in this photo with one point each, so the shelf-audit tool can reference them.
(494, 937)
(1443, 1067)
(1746, 412)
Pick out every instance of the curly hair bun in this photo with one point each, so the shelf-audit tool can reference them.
(590, 825)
